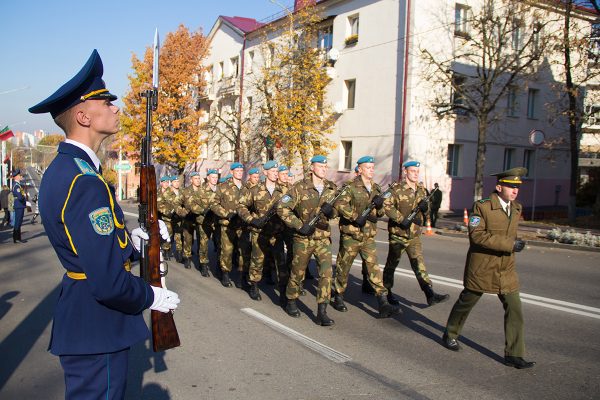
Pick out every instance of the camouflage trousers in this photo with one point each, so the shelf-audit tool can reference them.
(204, 232)
(233, 245)
(166, 246)
(267, 253)
(414, 250)
(188, 228)
(349, 249)
(177, 231)
(303, 249)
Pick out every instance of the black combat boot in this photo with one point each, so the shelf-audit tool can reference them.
(204, 269)
(14, 236)
(282, 297)
(322, 318)
(433, 297)
(178, 256)
(254, 293)
(386, 310)
(366, 286)
(167, 255)
(225, 281)
(338, 302)
(292, 309)
(187, 263)
(18, 237)
(392, 299)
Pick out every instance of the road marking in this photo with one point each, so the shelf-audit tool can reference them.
(130, 214)
(312, 344)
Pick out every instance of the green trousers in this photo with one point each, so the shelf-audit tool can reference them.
(514, 337)
(304, 249)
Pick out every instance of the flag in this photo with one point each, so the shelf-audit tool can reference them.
(6, 134)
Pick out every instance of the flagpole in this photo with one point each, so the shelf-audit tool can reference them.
(3, 166)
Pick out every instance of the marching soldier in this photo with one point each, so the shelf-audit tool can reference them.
(490, 266)
(191, 196)
(256, 208)
(305, 199)
(206, 219)
(405, 197)
(164, 201)
(225, 208)
(178, 216)
(357, 235)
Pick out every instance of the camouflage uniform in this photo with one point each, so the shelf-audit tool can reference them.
(397, 207)
(297, 209)
(267, 243)
(164, 202)
(225, 208)
(178, 219)
(207, 222)
(191, 197)
(354, 239)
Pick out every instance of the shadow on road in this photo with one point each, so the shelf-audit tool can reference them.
(142, 359)
(6, 305)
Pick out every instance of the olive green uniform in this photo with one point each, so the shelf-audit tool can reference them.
(490, 268)
(297, 208)
(356, 240)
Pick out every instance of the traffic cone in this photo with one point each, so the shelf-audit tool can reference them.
(466, 218)
(428, 230)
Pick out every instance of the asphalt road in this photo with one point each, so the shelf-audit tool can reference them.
(236, 348)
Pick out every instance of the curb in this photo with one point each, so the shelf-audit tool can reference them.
(534, 243)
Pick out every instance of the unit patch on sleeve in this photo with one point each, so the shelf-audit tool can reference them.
(474, 220)
(286, 198)
(102, 221)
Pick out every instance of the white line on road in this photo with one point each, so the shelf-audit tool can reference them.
(130, 214)
(312, 344)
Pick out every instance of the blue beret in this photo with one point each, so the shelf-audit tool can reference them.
(282, 168)
(174, 177)
(212, 171)
(270, 164)
(87, 84)
(319, 159)
(194, 173)
(16, 172)
(290, 173)
(222, 180)
(412, 163)
(253, 171)
(236, 165)
(356, 169)
(365, 159)
(165, 178)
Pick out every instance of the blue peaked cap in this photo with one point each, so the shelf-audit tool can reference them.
(86, 84)
(412, 163)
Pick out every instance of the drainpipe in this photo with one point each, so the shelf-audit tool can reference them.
(241, 101)
(404, 86)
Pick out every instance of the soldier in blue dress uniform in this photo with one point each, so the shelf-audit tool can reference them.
(99, 311)
(19, 206)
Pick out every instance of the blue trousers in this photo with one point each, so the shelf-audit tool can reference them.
(95, 376)
(18, 221)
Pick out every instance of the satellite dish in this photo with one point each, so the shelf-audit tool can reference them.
(333, 54)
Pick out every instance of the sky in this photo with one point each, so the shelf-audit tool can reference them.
(46, 42)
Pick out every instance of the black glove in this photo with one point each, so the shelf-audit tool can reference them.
(361, 221)
(372, 218)
(327, 210)
(423, 205)
(519, 245)
(258, 222)
(378, 201)
(231, 215)
(306, 230)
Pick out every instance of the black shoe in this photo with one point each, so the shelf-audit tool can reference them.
(186, 263)
(254, 293)
(392, 299)
(434, 298)
(166, 255)
(178, 257)
(366, 287)
(338, 302)
(204, 270)
(386, 310)
(282, 297)
(292, 309)
(322, 318)
(518, 362)
(450, 344)
(225, 281)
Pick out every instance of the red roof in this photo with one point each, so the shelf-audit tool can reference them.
(244, 24)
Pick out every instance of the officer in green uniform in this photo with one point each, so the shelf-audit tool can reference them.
(178, 216)
(255, 208)
(357, 235)
(164, 202)
(225, 208)
(296, 209)
(405, 197)
(192, 221)
(490, 266)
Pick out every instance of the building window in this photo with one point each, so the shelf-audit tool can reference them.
(346, 156)
(250, 61)
(532, 100)
(250, 104)
(270, 56)
(352, 36)
(537, 31)
(594, 53)
(511, 103)
(350, 93)
(453, 159)
(325, 38)
(509, 158)
(461, 20)
(221, 70)
(235, 66)
(458, 85)
(517, 35)
(528, 158)
(204, 151)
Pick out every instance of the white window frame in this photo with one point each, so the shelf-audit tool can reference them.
(345, 160)
(350, 93)
(453, 160)
(462, 14)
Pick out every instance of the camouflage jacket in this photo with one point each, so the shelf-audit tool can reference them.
(225, 202)
(351, 205)
(399, 205)
(192, 201)
(165, 203)
(255, 202)
(180, 210)
(301, 204)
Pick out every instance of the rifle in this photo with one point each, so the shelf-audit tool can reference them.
(164, 332)
(407, 222)
(371, 205)
(331, 202)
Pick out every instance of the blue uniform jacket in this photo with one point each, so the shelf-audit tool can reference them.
(20, 200)
(103, 312)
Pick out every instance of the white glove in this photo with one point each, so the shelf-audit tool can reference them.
(136, 237)
(164, 300)
(164, 232)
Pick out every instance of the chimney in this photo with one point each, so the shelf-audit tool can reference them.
(299, 4)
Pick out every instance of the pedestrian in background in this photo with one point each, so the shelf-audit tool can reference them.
(4, 205)
(436, 203)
